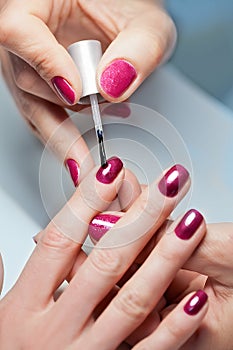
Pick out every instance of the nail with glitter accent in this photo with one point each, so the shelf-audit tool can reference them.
(64, 90)
(107, 173)
(101, 224)
(196, 303)
(73, 168)
(173, 180)
(117, 77)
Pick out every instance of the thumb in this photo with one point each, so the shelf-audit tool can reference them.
(28, 37)
(214, 256)
(135, 53)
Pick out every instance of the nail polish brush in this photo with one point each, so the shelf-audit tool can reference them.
(86, 55)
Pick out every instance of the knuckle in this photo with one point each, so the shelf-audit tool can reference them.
(169, 256)
(53, 239)
(107, 262)
(57, 144)
(91, 198)
(149, 207)
(132, 303)
(41, 62)
(174, 331)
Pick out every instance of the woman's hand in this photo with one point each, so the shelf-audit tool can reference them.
(209, 268)
(30, 317)
(34, 35)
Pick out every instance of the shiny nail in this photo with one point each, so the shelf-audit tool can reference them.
(196, 303)
(64, 90)
(173, 180)
(117, 77)
(188, 224)
(73, 169)
(101, 224)
(107, 173)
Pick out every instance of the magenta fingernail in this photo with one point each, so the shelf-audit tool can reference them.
(107, 173)
(196, 303)
(173, 180)
(101, 224)
(117, 77)
(64, 90)
(73, 169)
(189, 224)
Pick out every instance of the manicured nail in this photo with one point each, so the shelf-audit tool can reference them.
(101, 224)
(196, 303)
(64, 90)
(73, 169)
(173, 180)
(107, 173)
(117, 77)
(188, 224)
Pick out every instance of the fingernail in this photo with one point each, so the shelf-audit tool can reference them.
(34, 239)
(188, 224)
(117, 77)
(173, 181)
(64, 90)
(107, 173)
(73, 169)
(196, 303)
(101, 224)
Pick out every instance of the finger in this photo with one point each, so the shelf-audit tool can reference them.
(179, 325)
(102, 223)
(129, 191)
(185, 282)
(51, 124)
(61, 241)
(135, 52)
(140, 295)
(27, 79)
(82, 256)
(208, 259)
(40, 48)
(115, 252)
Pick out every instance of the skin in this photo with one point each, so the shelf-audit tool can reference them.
(209, 268)
(28, 74)
(34, 51)
(78, 317)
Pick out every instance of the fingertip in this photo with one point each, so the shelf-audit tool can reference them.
(107, 173)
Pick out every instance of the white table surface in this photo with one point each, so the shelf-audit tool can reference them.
(205, 125)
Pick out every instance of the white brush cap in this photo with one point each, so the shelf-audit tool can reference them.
(86, 55)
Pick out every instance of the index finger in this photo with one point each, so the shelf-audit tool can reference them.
(62, 239)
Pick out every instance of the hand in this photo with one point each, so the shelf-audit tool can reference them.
(136, 36)
(209, 268)
(30, 317)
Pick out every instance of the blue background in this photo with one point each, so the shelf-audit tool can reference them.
(205, 44)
